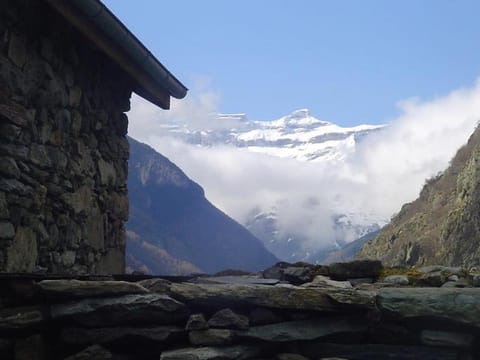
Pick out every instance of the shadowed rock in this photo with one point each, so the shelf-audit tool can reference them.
(22, 317)
(127, 309)
(196, 322)
(211, 337)
(83, 289)
(446, 338)
(211, 353)
(113, 334)
(355, 269)
(227, 319)
(379, 351)
(94, 352)
(302, 330)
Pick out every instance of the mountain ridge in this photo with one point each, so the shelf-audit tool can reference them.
(442, 225)
(170, 212)
(298, 135)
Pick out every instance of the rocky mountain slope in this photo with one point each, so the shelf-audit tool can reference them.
(173, 228)
(299, 136)
(348, 251)
(443, 224)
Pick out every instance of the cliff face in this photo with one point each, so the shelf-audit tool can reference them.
(170, 212)
(443, 224)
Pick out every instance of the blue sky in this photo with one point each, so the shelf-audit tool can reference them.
(349, 62)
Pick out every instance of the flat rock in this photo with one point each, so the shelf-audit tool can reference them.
(126, 309)
(81, 336)
(396, 279)
(84, 289)
(211, 337)
(94, 352)
(22, 317)
(288, 356)
(360, 281)
(227, 319)
(244, 279)
(302, 330)
(378, 351)
(435, 279)
(156, 285)
(446, 270)
(211, 353)
(355, 269)
(446, 338)
(353, 297)
(324, 281)
(455, 304)
(281, 296)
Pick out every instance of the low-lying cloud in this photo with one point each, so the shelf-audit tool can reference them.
(387, 169)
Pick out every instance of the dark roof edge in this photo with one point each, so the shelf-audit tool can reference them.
(140, 59)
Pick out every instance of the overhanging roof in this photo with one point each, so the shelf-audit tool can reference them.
(153, 81)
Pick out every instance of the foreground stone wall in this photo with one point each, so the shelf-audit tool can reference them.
(347, 313)
(63, 151)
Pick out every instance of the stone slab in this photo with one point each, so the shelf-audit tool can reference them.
(126, 309)
(281, 296)
(454, 304)
(71, 288)
(81, 336)
(238, 352)
(302, 330)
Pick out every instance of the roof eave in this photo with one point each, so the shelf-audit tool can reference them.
(93, 19)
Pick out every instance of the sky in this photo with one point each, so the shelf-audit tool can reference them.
(349, 62)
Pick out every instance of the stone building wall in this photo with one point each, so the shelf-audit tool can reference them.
(63, 150)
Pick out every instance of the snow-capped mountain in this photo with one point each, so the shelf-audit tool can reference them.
(297, 136)
(293, 246)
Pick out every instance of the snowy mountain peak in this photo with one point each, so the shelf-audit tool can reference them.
(299, 114)
(300, 118)
(298, 135)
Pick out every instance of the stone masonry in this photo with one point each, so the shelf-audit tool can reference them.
(63, 150)
(355, 311)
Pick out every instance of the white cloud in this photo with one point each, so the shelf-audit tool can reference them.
(418, 144)
(198, 110)
(387, 169)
